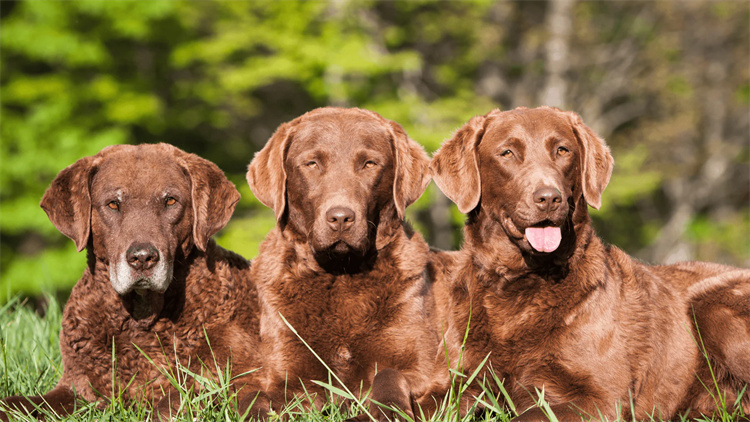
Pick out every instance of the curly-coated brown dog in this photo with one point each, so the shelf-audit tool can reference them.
(341, 266)
(155, 280)
(602, 334)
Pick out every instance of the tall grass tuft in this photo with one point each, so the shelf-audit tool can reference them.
(30, 361)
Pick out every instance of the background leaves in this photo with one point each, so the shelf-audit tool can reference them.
(667, 83)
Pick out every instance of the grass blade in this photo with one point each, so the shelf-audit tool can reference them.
(330, 371)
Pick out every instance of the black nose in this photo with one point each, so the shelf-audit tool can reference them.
(142, 256)
(340, 218)
(547, 199)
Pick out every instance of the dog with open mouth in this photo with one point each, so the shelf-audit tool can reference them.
(552, 308)
(157, 289)
(341, 267)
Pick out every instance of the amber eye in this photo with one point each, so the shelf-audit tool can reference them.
(170, 201)
(370, 164)
(311, 164)
(114, 205)
(506, 154)
(562, 151)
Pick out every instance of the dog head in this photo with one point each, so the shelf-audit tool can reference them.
(139, 206)
(335, 175)
(527, 169)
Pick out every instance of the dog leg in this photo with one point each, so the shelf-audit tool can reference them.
(389, 388)
(256, 404)
(166, 408)
(723, 319)
(723, 324)
(61, 400)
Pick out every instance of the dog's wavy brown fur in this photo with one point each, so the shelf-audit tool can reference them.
(602, 334)
(210, 293)
(367, 309)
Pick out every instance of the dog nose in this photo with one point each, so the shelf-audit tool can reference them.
(142, 256)
(547, 198)
(340, 218)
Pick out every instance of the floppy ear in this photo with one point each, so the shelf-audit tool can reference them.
(266, 175)
(596, 161)
(67, 201)
(455, 166)
(412, 169)
(213, 196)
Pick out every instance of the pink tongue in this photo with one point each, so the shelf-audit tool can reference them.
(544, 239)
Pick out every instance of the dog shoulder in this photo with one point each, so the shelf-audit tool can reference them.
(91, 306)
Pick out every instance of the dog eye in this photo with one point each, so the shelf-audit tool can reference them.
(170, 201)
(114, 205)
(506, 154)
(562, 151)
(311, 164)
(370, 164)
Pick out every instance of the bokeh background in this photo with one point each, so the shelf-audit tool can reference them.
(666, 83)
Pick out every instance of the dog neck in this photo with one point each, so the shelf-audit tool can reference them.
(352, 263)
(399, 242)
(144, 309)
(390, 228)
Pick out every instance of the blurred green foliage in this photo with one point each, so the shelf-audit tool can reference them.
(216, 78)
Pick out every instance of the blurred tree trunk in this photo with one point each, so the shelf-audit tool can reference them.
(689, 193)
(559, 21)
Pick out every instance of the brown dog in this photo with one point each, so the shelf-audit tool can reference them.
(340, 266)
(155, 279)
(555, 309)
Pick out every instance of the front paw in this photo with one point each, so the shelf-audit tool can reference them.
(15, 405)
(167, 407)
(256, 405)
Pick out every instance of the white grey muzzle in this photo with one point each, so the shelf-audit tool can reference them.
(125, 278)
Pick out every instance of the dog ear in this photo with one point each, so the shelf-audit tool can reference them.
(412, 169)
(67, 201)
(266, 175)
(455, 166)
(596, 161)
(213, 196)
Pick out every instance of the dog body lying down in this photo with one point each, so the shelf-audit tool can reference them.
(554, 308)
(155, 280)
(340, 267)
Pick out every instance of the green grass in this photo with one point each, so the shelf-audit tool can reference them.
(30, 364)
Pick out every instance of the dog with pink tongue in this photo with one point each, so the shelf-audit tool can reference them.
(536, 301)
(544, 239)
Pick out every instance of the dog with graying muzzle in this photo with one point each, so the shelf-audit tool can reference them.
(555, 310)
(157, 290)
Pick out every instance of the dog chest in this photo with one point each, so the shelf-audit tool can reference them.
(351, 326)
